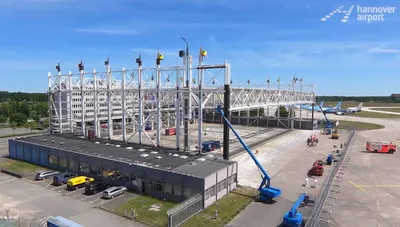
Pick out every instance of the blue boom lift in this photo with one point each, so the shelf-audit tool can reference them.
(293, 218)
(267, 193)
(328, 125)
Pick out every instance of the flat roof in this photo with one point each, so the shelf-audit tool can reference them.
(194, 164)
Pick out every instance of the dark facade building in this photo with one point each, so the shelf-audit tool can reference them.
(159, 172)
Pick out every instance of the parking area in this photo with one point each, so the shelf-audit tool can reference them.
(79, 194)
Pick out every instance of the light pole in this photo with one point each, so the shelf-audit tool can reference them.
(188, 95)
(295, 79)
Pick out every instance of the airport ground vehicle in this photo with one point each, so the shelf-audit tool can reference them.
(381, 147)
(293, 218)
(317, 168)
(44, 174)
(94, 188)
(78, 182)
(312, 141)
(267, 193)
(335, 134)
(62, 178)
(112, 192)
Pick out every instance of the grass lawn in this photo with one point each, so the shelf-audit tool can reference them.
(19, 166)
(354, 104)
(228, 207)
(141, 205)
(369, 114)
(358, 126)
(396, 110)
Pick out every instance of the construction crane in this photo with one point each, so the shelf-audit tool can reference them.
(267, 193)
(293, 218)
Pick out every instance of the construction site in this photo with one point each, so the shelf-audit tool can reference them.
(187, 133)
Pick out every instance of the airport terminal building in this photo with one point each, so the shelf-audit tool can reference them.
(159, 172)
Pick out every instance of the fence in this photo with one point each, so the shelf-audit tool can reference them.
(314, 217)
(185, 210)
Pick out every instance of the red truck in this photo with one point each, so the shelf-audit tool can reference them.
(317, 168)
(381, 147)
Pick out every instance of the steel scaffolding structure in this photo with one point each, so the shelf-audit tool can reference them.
(129, 101)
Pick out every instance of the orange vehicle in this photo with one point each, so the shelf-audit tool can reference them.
(381, 147)
(317, 168)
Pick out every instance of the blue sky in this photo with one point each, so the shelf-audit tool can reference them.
(260, 39)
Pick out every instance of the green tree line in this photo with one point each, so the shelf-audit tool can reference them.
(17, 107)
(385, 99)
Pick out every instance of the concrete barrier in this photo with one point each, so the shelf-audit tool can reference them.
(12, 173)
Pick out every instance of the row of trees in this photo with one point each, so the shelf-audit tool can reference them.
(6, 96)
(383, 99)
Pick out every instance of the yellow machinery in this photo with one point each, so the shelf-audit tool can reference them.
(335, 134)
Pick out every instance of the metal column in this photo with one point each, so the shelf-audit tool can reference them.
(227, 102)
(49, 94)
(95, 104)
(140, 101)
(187, 97)
(70, 85)
(123, 106)
(200, 105)
(109, 100)
(158, 108)
(83, 103)
(178, 110)
(60, 103)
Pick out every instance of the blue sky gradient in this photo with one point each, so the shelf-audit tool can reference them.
(260, 39)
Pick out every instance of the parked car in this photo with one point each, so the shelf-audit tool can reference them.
(91, 189)
(62, 178)
(112, 192)
(78, 182)
(44, 174)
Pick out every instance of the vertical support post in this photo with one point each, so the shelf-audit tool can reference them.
(123, 105)
(83, 103)
(109, 101)
(178, 109)
(278, 101)
(49, 94)
(227, 103)
(60, 87)
(95, 105)
(301, 93)
(70, 85)
(140, 101)
(312, 116)
(187, 98)
(200, 106)
(158, 97)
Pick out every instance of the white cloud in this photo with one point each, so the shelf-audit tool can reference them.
(384, 50)
(108, 31)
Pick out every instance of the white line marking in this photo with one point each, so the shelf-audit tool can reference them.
(57, 187)
(10, 180)
(77, 190)
(33, 182)
(94, 200)
(48, 184)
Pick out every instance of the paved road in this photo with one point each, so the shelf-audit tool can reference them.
(369, 109)
(27, 200)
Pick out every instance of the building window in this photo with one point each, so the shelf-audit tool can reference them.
(210, 192)
(155, 185)
(221, 185)
(173, 189)
(188, 192)
(96, 170)
(123, 177)
(107, 173)
(232, 179)
(72, 165)
(53, 160)
(84, 167)
(63, 163)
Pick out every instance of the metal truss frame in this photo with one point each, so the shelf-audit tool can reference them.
(159, 98)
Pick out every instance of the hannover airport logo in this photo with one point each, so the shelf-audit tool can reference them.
(364, 13)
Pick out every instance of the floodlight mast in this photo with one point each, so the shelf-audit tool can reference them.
(187, 93)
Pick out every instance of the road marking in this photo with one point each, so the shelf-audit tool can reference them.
(94, 200)
(357, 186)
(90, 196)
(10, 180)
(33, 182)
(48, 184)
(77, 190)
(57, 187)
(383, 186)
